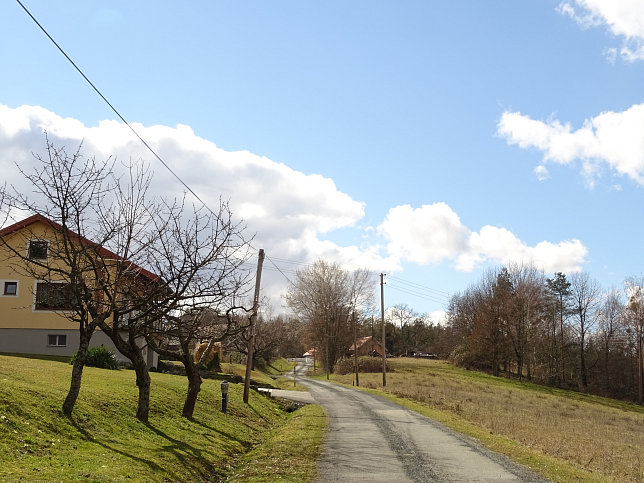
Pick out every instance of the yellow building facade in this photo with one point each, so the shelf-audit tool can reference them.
(34, 312)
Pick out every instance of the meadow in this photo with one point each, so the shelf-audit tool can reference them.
(103, 440)
(567, 436)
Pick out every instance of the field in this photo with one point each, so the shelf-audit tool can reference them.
(103, 441)
(566, 436)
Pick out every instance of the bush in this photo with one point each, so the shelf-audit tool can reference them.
(100, 357)
(214, 365)
(170, 368)
(365, 364)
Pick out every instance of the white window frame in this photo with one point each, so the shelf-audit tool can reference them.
(57, 336)
(2, 288)
(33, 307)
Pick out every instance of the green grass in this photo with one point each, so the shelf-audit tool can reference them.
(103, 441)
(566, 436)
(279, 367)
(291, 452)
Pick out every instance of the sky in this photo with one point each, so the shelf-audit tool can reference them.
(427, 140)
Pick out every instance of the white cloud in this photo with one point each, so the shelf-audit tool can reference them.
(438, 317)
(611, 138)
(291, 212)
(542, 172)
(434, 233)
(624, 18)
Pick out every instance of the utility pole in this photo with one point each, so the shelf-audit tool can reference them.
(355, 347)
(251, 342)
(382, 318)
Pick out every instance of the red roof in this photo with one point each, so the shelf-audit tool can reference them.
(102, 250)
(362, 340)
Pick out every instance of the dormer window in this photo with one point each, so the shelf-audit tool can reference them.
(38, 249)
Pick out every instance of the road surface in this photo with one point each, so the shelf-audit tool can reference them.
(370, 438)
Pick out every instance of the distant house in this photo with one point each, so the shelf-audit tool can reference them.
(367, 346)
(32, 310)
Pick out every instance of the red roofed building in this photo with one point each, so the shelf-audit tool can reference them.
(367, 346)
(32, 309)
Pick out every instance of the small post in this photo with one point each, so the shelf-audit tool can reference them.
(224, 396)
(294, 374)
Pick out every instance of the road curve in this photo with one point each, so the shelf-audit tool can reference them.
(370, 438)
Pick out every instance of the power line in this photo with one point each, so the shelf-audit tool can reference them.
(417, 294)
(176, 176)
(114, 109)
(279, 270)
(418, 286)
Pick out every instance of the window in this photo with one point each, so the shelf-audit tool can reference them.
(10, 288)
(38, 249)
(53, 296)
(55, 340)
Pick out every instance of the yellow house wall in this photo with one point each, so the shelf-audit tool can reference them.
(18, 311)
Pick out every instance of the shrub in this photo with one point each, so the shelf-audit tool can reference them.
(214, 365)
(100, 357)
(170, 368)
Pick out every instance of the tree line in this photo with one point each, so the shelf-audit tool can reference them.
(565, 330)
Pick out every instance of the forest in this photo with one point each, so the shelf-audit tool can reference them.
(564, 331)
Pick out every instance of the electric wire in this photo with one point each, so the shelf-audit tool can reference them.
(417, 294)
(440, 293)
(154, 153)
(191, 191)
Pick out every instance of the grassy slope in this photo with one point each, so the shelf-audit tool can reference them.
(291, 452)
(103, 441)
(567, 436)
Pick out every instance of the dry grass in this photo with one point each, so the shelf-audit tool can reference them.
(593, 437)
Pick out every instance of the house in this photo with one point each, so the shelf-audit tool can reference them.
(32, 310)
(367, 346)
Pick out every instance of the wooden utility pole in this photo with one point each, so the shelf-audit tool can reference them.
(251, 342)
(382, 318)
(355, 346)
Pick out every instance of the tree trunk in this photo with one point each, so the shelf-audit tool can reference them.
(582, 361)
(133, 352)
(143, 383)
(194, 387)
(640, 367)
(607, 366)
(77, 371)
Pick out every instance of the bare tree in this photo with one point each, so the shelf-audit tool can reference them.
(635, 306)
(585, 295)
(324, 295)
(129, 260)
(609, 316)
(404, 316)
(270, 333)
(529, 290)
(178, 335)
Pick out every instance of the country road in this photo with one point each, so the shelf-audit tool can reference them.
(370, 438)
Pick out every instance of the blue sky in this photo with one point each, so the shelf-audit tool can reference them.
(429, 140)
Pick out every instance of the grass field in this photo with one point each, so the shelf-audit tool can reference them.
(103, 441)
(567, 436)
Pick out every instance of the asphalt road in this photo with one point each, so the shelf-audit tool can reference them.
(370, 438)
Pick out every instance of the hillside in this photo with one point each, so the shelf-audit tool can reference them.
(103, 441)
